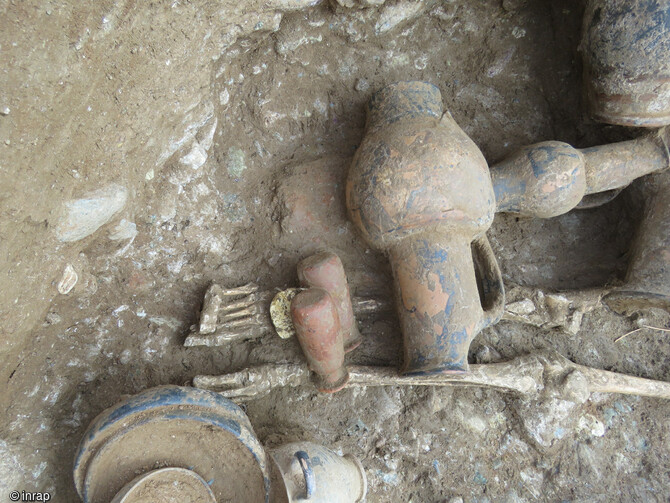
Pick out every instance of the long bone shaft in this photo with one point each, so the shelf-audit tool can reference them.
(528, 375)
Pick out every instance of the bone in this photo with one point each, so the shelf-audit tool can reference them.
(565, 310)
(255, 382)
(231, 314)
(534, 375)
(249, 317)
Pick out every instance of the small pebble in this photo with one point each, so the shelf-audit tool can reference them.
(52, 318)
(361, 85)
(224, 97)
(487, 354)
(480, 479)
(68, 280)
(5, 111)
(518, 32)
(123, 230)
(592, 425)
(236, 163)
(196, 157)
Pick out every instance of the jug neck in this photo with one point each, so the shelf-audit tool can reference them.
(404, 100)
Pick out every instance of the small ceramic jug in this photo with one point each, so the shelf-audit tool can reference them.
(312, 473)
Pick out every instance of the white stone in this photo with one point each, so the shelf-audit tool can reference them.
(521, 307)
(125, 357)
(196, 157)
(362, 85)
(86, 215)
(592, 425)
(206, 135)
(123, 230)
(548, 420)
(224, 97)
(397, 13)
(292, 4)
(518, 32)
(236, 163)
(68, 280)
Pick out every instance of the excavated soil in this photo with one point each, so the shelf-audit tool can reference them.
(212, 120)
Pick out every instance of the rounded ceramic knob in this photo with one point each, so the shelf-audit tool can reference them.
(542, 180)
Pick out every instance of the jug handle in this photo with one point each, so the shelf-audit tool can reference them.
(490, 282)
(307, 472)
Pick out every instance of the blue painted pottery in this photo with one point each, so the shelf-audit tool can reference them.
(172, 426)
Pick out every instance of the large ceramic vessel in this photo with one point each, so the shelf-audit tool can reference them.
(420, 189)
(172, 426)
(626, 52)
